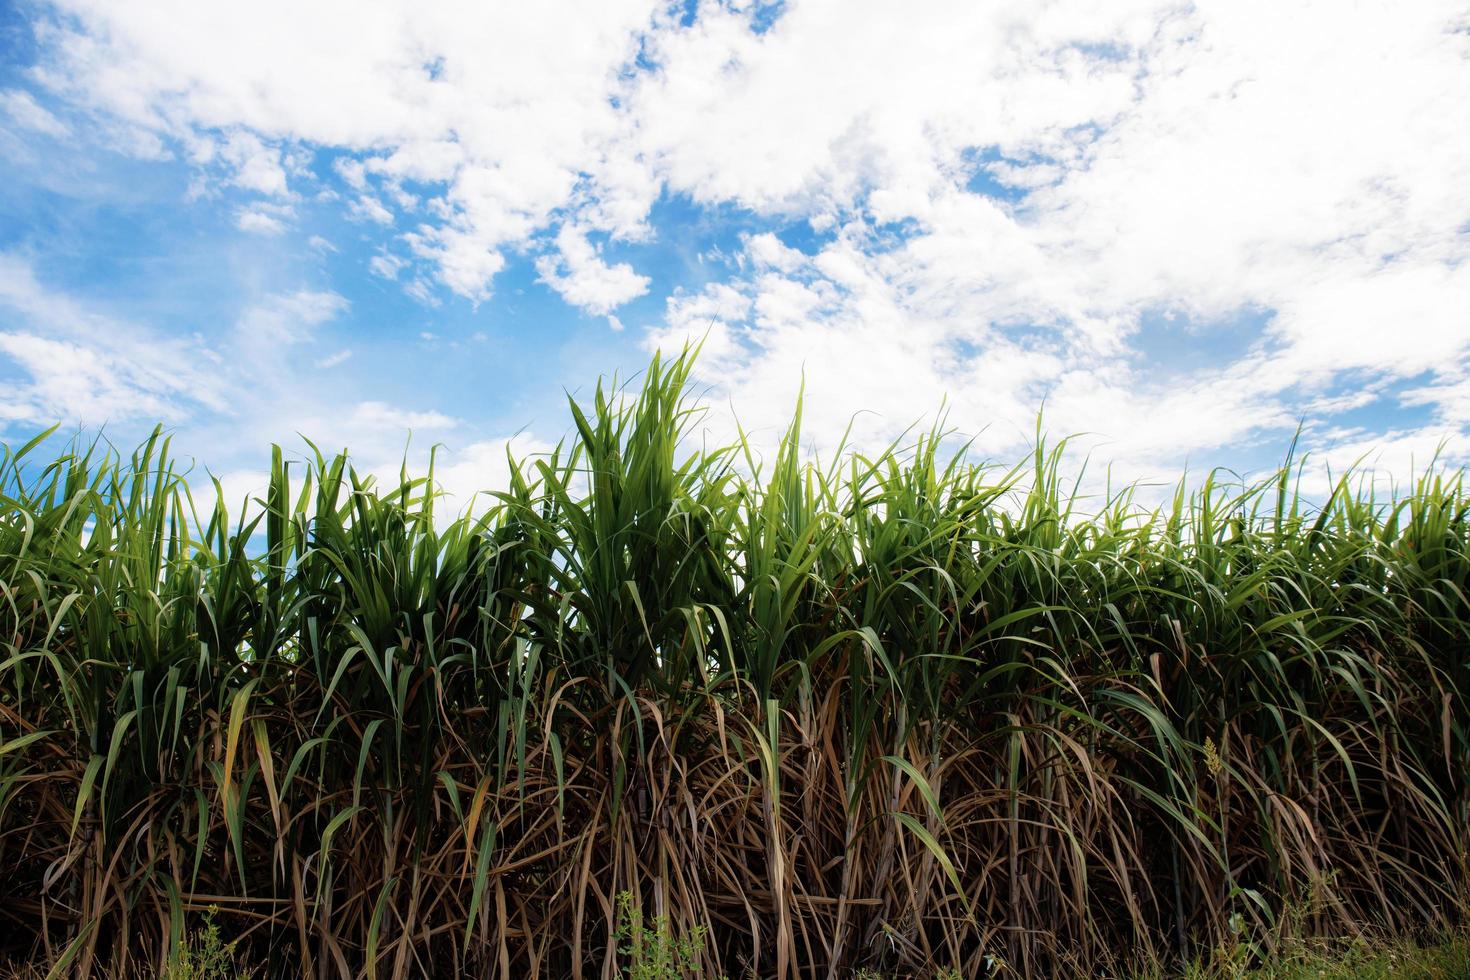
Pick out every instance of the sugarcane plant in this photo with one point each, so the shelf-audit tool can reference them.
(898, 710)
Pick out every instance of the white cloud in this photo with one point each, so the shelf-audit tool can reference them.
(1308, 160)
(467, 262)
(354, 172)
(385, 265)
(1448, 395)
(1388, 461)
(584, 280)
(78, 365)
(64, 361)
(422, 290)
(23, 108)
(878, 341)
(240, 489)
(479, 468)
(466, 97)
(82, 366)
(69, 381)
(836, 101)
(379, 415)
(259, 221)
(369, 208)
(257, 167)
(997, 194)
(289, 318)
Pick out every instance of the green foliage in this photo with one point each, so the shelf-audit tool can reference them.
(654, 951)
(203, 955)
(901, 710)
(1362, 960)
(1445, 958)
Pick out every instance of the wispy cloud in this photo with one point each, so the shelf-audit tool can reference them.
(289, 318)
(378, 414)
(22, 109)
(79, 365)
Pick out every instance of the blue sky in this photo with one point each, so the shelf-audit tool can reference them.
(1184, 228)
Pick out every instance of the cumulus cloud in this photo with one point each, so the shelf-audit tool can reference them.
(1208, 159)
(584, 280)
(254, 165)
(466, 98)
(991, 198)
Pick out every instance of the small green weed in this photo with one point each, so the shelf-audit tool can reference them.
(653, 951)
(204, 956)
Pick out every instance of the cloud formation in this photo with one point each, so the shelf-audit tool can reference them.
(70, 363)
(1010, 204)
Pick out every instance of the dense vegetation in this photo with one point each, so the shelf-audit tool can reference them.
(899, 712)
